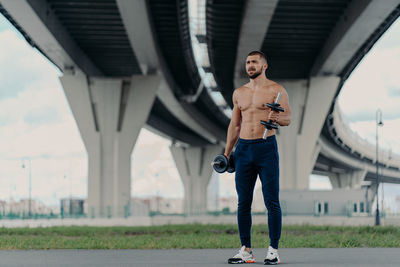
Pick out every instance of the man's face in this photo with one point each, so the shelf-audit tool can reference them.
(254, 66)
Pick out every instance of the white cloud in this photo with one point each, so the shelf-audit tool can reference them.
(374, 84)
(21, 65)
(36, 123)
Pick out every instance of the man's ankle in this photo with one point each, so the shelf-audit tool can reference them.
(273, 248)
(248, 249)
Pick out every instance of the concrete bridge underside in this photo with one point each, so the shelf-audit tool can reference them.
(130, 64)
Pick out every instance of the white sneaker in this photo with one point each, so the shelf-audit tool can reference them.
(242, 257)
(272, 257)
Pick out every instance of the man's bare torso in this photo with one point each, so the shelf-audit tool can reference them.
(252, 105)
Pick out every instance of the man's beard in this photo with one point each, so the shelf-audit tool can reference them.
(255, 75)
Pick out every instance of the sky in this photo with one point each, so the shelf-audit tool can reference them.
(36, 125)
(376, 84)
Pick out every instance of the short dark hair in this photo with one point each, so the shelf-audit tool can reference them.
(256, 52)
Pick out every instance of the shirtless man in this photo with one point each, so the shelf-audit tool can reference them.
(256, 156)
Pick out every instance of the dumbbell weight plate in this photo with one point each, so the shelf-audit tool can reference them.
(231, 164)
(275, 107)
(269, 125)
(220, 163)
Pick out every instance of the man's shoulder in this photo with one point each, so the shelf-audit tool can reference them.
(242, 88)
(276, 86)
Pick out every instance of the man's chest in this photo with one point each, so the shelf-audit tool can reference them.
(254, 99)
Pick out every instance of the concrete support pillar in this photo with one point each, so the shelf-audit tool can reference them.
(213, 192)
(335, 180)
(310, 101)
(194, 167)
(348, 180)
(370, 193)
(109, 113)
(370, 196)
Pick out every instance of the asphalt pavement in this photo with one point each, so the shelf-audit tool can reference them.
(200, 257)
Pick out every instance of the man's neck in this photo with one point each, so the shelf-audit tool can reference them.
(259, 81)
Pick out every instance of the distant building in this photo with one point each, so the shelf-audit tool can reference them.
(21, 208)
(231, 203)
(397, 205)
(72, 206)
(337, 202)
(139, 207)
(2, 208)
(228, 204)
(157, 204)
(166, 205)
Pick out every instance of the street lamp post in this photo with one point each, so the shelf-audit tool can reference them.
(30, 186)
(379, 122)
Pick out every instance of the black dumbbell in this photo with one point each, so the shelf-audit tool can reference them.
(231, 164)
(222, 164)
(269, 124)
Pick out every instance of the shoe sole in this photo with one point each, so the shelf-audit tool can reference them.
(271, 262)
(241, 262)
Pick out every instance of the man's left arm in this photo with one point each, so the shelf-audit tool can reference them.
(284, 118)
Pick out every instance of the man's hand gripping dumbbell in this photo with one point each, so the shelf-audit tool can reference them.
(222, 163)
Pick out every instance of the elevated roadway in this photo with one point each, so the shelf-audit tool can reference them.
(131, 64)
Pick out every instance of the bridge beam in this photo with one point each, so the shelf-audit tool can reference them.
(109, 114)
(256, 18)
(194, 167)
(332, 151)
(359, 21)
(135, 16)
(298, 147)
(41, 23)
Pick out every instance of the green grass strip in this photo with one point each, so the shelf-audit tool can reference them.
(194, 236)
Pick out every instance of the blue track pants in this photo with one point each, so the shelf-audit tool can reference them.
(258, 157)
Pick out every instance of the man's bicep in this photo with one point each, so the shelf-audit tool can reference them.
(285, 101)
(236, 116)
(234, 98)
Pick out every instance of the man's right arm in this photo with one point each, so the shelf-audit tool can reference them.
(234, 127)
